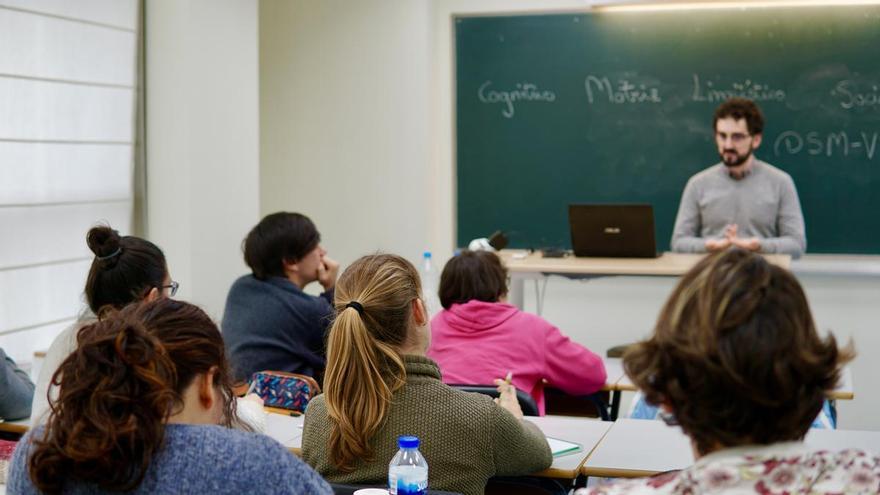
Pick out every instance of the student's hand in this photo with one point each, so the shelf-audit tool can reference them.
(328, 270)
(751, 244)
(507, 399)
(713, 245)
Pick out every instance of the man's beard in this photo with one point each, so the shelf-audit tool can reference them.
(737, 160)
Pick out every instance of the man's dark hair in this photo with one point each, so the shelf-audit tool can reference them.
(736, 355)
(472, 275)
(741, 108)
(279, 237)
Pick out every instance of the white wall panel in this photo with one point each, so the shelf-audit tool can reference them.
(52, 173)
(49, 233)
(119, 13)
(60, 289)
(20, 346)
(54, 48)
(67, 112)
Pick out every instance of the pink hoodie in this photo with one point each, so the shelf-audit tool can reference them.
(477, 342)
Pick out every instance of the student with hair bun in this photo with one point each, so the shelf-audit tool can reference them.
(379, 385)
(125, 269)
(140, 408)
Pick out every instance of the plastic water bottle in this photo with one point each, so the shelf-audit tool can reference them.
(408, 471)
(430, 284)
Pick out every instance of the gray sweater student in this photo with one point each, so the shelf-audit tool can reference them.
(742, 201)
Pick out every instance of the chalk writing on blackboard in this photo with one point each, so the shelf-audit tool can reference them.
(708, 91)
(853, 96)
(841, 143)
(623, 91)
(524, 91)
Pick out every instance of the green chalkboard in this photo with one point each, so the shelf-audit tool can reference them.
(617, 107)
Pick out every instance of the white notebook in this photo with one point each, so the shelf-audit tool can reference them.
(561, 447)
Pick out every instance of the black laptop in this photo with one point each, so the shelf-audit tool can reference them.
(612, 230)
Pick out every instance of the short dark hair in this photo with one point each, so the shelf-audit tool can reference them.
(279, 237)
(736, 355)
(472, 275)
(741, 108)
(124, 269)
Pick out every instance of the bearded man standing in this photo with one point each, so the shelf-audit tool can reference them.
(741, 201)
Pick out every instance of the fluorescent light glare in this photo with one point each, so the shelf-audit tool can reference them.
(717, 5)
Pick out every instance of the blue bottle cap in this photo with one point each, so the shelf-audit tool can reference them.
(408, 442)
(426, 254)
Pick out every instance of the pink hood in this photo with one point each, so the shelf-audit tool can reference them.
(474, 316)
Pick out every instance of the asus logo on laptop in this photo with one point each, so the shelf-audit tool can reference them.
(612, 230)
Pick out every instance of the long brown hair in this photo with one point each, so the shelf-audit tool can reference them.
(736, 355)
(364, 368)
(119, 387)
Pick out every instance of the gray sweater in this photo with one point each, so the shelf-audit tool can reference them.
(764, 204)
(16, 390)
(200, 459)
(465, 437)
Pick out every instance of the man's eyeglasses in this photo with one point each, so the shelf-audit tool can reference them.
(173, 286)
(736, 137)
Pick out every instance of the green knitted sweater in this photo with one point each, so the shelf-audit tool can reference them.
(465, 437)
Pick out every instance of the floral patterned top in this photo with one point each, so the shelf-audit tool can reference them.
(780, 469)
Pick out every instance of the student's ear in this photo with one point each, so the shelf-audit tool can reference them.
(290, 266)
(153, 294)
(207, 392)
(420, 313)
(756, 141)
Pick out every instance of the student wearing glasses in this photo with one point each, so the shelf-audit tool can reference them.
(741, 201)
(736, 359)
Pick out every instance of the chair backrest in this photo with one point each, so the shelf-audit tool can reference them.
(526, 402)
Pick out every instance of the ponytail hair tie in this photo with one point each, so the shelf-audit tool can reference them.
(357, 307)
(111, 255)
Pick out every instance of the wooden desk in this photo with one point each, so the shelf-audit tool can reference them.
(17, 426)
(584, 431)
(522, 265)
(634, 448)
(287, 430)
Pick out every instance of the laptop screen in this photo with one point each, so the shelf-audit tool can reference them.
(612, 230)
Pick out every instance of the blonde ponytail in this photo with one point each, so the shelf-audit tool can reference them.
(364, 368)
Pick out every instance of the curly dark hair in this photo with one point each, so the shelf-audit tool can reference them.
(118, 389)
(738, 109)
(736, 356)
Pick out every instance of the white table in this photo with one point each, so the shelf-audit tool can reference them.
(634, 448)
(523, 265)
(287, 430)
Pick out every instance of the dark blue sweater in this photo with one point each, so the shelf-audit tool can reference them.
(274, 325)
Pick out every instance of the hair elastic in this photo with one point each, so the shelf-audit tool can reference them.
(357, 307)
(111, 255)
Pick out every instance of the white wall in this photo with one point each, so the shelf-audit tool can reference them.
(202, 129)
(344, 120)
(357, 131)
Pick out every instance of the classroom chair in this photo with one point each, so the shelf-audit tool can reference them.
(526, 402)
(594, 405)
